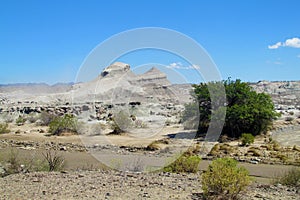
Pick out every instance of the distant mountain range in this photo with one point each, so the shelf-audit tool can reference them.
(119, 83)
(36, 87)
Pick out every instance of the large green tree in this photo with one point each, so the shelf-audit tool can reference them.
(246, 110)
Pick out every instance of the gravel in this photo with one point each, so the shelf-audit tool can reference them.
(120, 185)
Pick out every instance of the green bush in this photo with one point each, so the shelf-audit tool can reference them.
(4, 128)
(247, 139)
(185, 163)
(246, 110)
(66, 123)
(20, 121)
(289, 178)
(224, 179)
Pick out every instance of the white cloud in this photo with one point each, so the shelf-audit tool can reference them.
(293, 42)
(275, 46)
(179, 65)
(175, 65)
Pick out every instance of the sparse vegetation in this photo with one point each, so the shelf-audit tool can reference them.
(46, 118)
(253, 152)
(7, 117)
(282, 157)
(4, 128)
(120, 123)
(66, 123)
(247, 139)
(220, 150)
(275, 146)
(184, 163)
(227, 149)
(90, 129)
(13, 162)
(188, 162)
(116, 130)
(153, 146)
(156, 145)
(289, 178)
(215, 150)
(224, 179)
(32, 117)
(55, 161)
(20, 121)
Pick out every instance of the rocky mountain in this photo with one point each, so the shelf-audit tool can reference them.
(117, 84)
(149, 96)
(37, 88)
(285, 94)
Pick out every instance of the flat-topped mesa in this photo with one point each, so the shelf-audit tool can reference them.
(115, 68)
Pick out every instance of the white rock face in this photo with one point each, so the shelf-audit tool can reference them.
(115, 69)
(153, 76)
(118, 84)
(149, 96)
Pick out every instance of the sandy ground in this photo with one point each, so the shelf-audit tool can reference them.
(32, 132)
(116, 185)
(76, 160)
(85, 177)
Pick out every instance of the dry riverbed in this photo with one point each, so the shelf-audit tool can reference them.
(84, 177)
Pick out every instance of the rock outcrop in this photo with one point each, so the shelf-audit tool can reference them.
(152, 77)
(152, 96)
(118, 86)
(115, 69)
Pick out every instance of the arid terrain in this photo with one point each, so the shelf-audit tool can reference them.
(101, 165)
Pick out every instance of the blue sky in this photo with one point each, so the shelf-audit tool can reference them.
(47, 41)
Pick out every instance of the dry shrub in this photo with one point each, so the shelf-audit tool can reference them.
(188, 162)
(153, 146)
(46, 118)
(120, 123)
(4, 128)
(55, 161)
(224, 179)
(289, 178)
